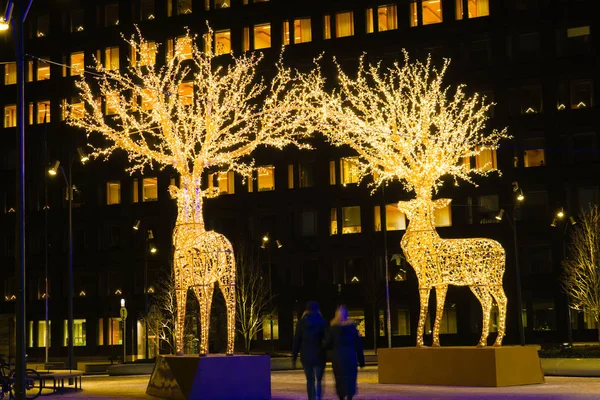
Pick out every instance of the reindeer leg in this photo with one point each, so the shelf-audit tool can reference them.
(440, 299)
(483, 295)
(181, 295)
(424, 302)
(500, 297)
(228, 289)
(204, 294)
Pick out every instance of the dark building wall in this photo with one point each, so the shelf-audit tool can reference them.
(521, 48)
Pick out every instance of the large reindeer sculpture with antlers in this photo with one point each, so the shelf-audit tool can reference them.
(196, 117)
(405, 126)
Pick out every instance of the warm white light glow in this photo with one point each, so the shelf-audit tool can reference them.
(53, 170)
(122, 302)
(560, 214)
(224, 114)
(405, 125)
(3, 24)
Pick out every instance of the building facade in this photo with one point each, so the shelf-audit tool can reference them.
(534, 58)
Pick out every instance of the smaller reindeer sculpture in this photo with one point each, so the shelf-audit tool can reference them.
(477, 263)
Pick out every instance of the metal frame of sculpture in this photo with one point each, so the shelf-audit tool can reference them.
(406, 126)
(157, 122)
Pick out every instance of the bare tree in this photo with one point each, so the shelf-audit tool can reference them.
(581, 279)
(252, 295)
(162, 315)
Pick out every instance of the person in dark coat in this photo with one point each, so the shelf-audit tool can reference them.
(309, 338)
(347, 353)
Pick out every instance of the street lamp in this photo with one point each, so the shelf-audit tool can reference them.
(20, 9)
(149, 247)
(555, 221)
(518, 198)
(53, 171)
(266, 244)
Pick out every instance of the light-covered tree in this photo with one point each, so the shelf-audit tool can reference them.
(581, 279)
(198, 111)
(252, 295)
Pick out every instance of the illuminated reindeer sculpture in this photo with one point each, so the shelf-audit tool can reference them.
(477, 263)
(196, 117)
(405, 126)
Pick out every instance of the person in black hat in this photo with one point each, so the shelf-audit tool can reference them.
(310, 333)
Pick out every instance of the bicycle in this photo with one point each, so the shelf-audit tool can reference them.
(33, 382)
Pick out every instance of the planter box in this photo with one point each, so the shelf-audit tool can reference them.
(571, 366)
(215, 377)
(461, 366)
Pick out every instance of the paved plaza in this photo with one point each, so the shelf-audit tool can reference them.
(291, 385)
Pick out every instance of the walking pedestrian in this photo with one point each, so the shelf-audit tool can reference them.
(347, 353)
(308, 340)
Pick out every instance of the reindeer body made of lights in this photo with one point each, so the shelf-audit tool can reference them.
(476, 262)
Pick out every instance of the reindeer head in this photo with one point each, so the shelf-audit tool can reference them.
(421, 210)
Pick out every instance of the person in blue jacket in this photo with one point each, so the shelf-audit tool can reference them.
(347, 353)
(308, 340)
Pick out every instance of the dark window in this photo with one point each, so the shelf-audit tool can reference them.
(309, 223)
(76, 22)
(353, 271)
(528, 46)
(306, 178)
(588, 196)
(111, 14)
(584, 147)
(540, 259)
(573, 41)
(531, 99)
(147, 10)
(43, 26)
(582, 94)
(544, 318)
(479, 52)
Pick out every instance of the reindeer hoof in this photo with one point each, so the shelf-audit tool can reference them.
(421, 346)
(497, 344)
(481, 345)
(436, 345)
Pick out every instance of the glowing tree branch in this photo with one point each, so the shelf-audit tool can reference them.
(405, 125)
(191, 115)
(581, 279)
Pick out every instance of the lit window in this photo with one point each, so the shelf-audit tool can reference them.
(486, 158)
(327, 26)
(332, 179)
(351, 220)
(30, 334)
(290, 176)
(581, 94)
(333, 225)
(43, 69)
(30, 71)
(115, 332)
(147, 99)
(77, 63)
(113, 192)
(286, 33)
(76, 21)
(302, 31)
(100, 331)
(78, 332)
(150, 189)
(476, 8)
(111, 58)
(534, 155)
(186, 93)
(42, 331)
(222, 3)
(349, 170)
(77, 108)
(146, 56)
(183, 47)
(110, 103)
(369, 21)
(432, 11)
(184, 7)
(169, 52)
(414, 18)
(266, 178)
(262, 36)
(135, 186)
(395, 219)
(10, 116)
(10, 73)
(147, 10)
(246, 39)
(447, 325)
(223, 42)
(358, 317)
(30, 114)
(43, 112)
(344, 24)
(111, 14)
(401, 322)
(443, 216)
(223, 182)
(268, 321)
(387, 17)
(531, 100)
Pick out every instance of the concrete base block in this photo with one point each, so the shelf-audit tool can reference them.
(461, 366)
(215, 377)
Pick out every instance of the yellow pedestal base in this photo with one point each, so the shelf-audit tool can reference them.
(460, 366)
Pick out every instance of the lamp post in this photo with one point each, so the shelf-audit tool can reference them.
(518, 198)
(53, 171)
(149, 248)
(266, 244)
(387, 268)
(555, 221)
(123, 313)
(20, 9)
